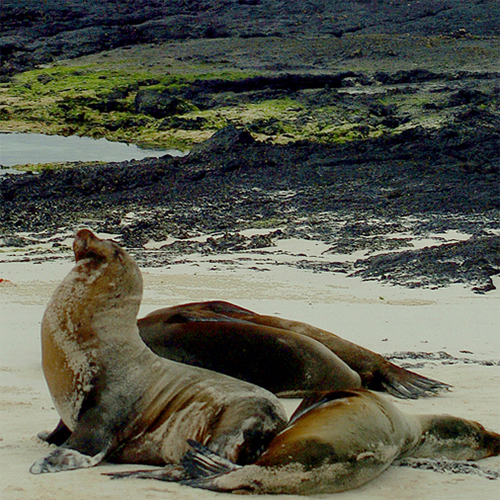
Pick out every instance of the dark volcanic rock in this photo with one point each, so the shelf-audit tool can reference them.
(350, 195)
(35, 32)
(422, 181)
(223, 140)
(471, 261)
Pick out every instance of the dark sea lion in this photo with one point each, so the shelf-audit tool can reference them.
(284, 362)
(283, 359)
(340, 443)
(119, 400)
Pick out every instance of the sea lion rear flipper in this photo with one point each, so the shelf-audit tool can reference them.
(405, 384)
(201, 462)
(202, 466)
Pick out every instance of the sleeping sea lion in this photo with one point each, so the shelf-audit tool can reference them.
(279, 351)
(282, 361)
(339, 443)
(118, 399)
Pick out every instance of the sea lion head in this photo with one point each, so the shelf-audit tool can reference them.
(455, 438)
(110, 279)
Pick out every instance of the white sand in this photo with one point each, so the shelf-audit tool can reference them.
(382, 318)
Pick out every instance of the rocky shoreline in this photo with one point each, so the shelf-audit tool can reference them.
(381, 145)
(356, 196)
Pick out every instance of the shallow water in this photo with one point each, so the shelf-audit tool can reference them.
(20, 149)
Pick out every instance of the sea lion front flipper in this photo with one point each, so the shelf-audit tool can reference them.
(198, 462)
(65, 459)
(95, 435)
(86, 447)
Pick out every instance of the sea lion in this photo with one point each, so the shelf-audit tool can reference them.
(283, 360)
(337, 444)
(286, 357)
(121, 401)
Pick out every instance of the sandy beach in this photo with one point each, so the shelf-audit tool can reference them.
(330, 142)
(386, 319)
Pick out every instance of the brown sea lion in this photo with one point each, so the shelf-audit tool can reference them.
(340, 443)
(121, 401)
(283, 362)
(278, 359)
(288, 358)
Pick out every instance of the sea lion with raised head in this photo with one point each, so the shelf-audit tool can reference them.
(340, 443)
(121, 401)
